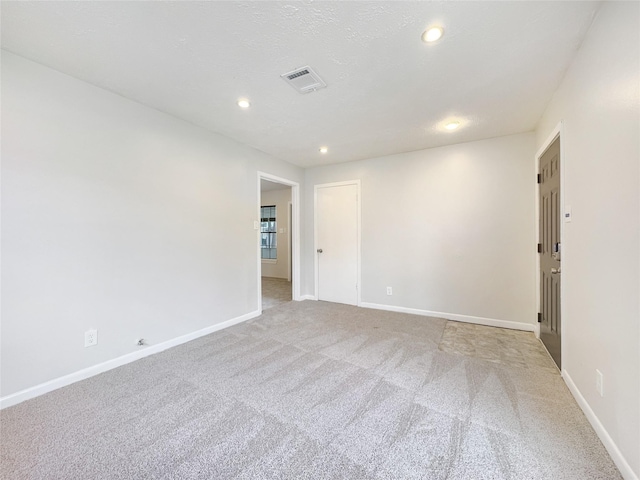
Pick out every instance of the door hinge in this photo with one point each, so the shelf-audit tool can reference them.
(539, 318)
(539, 178)
(539, 248)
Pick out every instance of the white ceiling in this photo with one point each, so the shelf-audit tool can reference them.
(495, 69)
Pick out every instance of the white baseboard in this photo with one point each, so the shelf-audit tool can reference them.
(41, 389)
(605, 438)
(308, 297)
(490, 322)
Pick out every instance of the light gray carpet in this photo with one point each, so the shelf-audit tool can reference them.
(310, 390)
(514, 348)
(275, 291)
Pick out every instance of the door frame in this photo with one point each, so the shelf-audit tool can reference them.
(289, 237)
(294, 251)
(359, 235)
(557, 132)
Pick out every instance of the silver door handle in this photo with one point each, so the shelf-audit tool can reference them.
(319, 250)
(555, 271)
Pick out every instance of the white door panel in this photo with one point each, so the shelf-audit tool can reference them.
(337, 238)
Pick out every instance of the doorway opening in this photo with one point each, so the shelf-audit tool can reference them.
(278, 241)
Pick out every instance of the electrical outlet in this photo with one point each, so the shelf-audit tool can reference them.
(90, 338)
(389, 291)
(599, 382)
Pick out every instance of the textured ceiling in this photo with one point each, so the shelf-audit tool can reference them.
(495, 69)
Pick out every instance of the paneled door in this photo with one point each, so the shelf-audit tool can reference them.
(550, 250)
(337, 242)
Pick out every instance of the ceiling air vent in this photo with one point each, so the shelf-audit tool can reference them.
(304, 80)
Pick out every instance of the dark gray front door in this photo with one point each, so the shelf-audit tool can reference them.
(550, 255)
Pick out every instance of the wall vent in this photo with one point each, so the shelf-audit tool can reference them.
(304, 80)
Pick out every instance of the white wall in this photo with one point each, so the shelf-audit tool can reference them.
(281, 199)
(116, 217)
(451, 229)
(599, 104)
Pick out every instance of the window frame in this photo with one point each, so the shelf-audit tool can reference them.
(269, 233)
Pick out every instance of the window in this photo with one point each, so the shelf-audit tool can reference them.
(268, 232)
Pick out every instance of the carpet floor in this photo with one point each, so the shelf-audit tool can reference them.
(313, 390)
(275, 291)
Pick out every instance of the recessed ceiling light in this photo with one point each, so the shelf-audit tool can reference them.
(452, 125)
(324, 149)
(244, 103)
(432, 34)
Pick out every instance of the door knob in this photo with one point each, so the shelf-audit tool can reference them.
(555, 271)
(319, 250)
